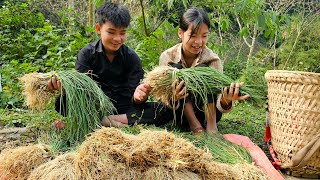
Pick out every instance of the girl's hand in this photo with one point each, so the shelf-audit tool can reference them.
(233, 94)
(141, 93)
(178, 90)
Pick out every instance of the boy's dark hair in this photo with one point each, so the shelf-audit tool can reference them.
(195, 17)
(117, 14)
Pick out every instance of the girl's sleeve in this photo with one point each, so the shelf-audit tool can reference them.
(216, 64)
(164, 59)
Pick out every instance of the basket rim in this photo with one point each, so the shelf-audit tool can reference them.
(291, 72)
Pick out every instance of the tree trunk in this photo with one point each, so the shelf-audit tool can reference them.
(71, 16)
(91, 13)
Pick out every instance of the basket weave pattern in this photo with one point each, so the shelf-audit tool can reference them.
(294, 105)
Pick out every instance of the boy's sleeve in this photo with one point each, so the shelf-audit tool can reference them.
(83, 63)
(135, 74)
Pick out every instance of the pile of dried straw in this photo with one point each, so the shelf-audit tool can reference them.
(62, 167)
(108, 153)
(19, 162)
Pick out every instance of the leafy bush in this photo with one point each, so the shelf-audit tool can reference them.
(150, 48)
(29, 43)
(234, 66)
(305, 55)
(11, 87)
(254, 75)
(17, 26)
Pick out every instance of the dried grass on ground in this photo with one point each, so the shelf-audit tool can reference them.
(19, 162)
(109, 153)
(62, 167)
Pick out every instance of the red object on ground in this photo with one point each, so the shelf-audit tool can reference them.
(258, 156)
(58, 125)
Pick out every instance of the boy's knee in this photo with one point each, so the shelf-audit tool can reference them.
(115, 120)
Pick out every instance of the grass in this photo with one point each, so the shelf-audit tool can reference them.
(246, 120)
(16, 117)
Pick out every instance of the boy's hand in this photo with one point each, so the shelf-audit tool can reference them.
(233, 94)
(54, 83)
(141, 93)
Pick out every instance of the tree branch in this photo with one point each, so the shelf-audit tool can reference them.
(240, 26)
(144, 19)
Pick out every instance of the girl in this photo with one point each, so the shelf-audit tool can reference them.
(191, 52)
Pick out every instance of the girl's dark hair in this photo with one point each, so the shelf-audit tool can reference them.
(195, 17)
(117, 14)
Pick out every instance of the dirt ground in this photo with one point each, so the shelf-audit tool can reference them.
(16, 136)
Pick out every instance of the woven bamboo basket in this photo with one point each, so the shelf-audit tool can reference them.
(294, 106)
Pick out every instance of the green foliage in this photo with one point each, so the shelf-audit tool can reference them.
(171, 2)
(159, 11)
(17, 26)
(150, 48)
(28, 44)
(10, 83)
(56, 49)
(231, 67)
(21, 117)
(20, 16)
(254, 75)
(302, 53)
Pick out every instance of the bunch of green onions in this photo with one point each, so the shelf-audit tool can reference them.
(222, 150)
(199, 81)
(86, 103)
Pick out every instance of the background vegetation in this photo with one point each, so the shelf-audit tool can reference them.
(250, 36)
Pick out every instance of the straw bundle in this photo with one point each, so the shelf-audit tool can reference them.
(102, 155)
(248, 171)
(35, 89)
(19, 162)
(62, 167)
(200, 81)
(161, 80)
(110, 153)
(164, 173)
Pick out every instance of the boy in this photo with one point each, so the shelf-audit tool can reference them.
(117, 69)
